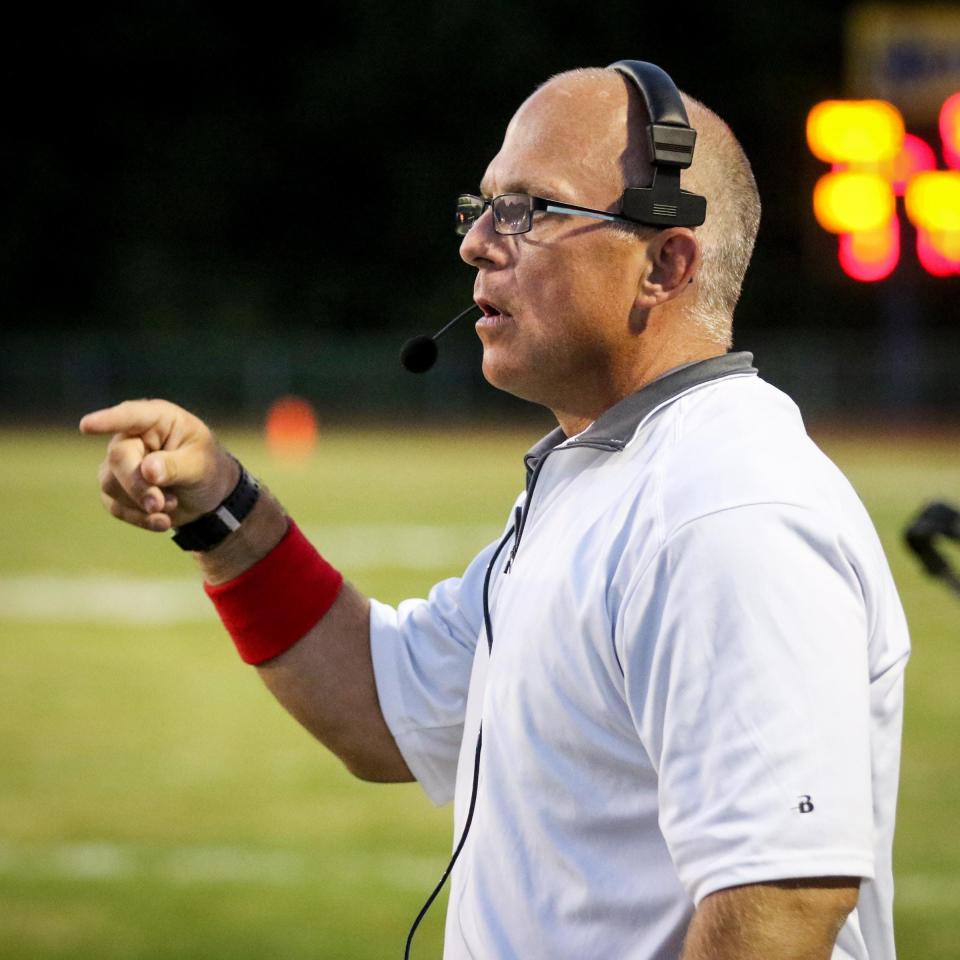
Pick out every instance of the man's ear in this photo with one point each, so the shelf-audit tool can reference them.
(673, 258)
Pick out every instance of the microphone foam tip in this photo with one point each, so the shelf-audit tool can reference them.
(419, 354)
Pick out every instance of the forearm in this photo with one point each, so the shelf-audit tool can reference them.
(789, 920)
(325, 680)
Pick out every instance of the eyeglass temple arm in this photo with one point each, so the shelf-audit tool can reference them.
(580, 212)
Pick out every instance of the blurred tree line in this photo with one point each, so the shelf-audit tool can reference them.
(190, 174)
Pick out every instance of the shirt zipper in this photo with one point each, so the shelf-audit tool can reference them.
(487, 620)
(521, 514)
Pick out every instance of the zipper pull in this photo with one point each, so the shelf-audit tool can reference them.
(517, 518)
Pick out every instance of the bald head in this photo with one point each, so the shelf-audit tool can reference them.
(587, 120)
(604, 121)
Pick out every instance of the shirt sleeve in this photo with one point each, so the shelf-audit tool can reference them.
(422, 659)
(744, 651)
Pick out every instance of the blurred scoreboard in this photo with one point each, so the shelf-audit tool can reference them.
(889, 186)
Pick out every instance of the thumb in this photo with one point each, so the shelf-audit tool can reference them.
(167, 467)
(191, 466)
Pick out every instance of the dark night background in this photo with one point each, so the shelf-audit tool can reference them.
(219, 206)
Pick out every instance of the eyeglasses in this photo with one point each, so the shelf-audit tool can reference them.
(513, 212)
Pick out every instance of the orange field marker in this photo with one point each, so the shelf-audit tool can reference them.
(291, 428)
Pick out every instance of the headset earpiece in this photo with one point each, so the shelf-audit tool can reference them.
(672, 139)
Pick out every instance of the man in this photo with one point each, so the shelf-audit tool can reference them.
(686, 652)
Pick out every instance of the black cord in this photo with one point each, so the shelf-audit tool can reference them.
(456, 853)
(488, 627)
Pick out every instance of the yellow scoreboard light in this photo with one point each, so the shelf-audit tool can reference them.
(855, 131)
(848, 201)
(933, 201)
(947, 244)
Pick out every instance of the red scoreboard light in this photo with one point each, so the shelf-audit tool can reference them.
(950, 131)
(873, 161)
(915, 157)
(930, 252)
(871, 254)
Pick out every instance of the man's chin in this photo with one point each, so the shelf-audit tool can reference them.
(505, 374)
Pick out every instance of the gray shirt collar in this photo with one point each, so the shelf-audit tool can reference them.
(614, 427)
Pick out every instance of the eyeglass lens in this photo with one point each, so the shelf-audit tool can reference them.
(469, 208)
(511, 212)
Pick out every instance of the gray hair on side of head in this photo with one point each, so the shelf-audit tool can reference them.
(722, 173)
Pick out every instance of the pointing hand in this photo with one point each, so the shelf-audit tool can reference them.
(163, 468)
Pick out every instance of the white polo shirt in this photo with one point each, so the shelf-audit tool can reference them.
(694, 682)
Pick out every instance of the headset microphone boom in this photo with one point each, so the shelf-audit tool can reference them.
(419, 354)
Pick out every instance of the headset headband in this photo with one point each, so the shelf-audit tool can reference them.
(672, 139)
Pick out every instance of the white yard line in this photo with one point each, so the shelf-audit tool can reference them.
(103, 599)
(119, 598)
(407, 546)
(182, 866)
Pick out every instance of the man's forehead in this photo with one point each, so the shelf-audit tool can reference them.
(531, 179)
(567, 136)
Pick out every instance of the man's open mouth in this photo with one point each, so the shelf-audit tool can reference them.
(489, 308)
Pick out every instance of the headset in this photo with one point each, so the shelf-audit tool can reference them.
(672, 139)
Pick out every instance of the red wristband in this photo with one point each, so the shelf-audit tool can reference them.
(269, 607)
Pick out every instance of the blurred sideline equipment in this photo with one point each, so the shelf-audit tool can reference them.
(935, 520)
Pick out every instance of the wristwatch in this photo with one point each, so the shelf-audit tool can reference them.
(212, 528)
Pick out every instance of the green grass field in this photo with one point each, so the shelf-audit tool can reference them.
(156, 803)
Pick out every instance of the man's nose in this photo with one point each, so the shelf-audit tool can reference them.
(482, 245)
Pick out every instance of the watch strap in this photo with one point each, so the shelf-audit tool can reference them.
(214, 527)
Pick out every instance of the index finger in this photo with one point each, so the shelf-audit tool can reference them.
(132, 418)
